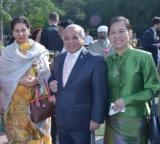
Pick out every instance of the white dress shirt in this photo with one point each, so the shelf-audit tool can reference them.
(88, 40)
(69, 63)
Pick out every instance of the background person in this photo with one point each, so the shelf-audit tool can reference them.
(36, 34)
(61, 26)
(88, 39)
(102, 45)
(150, 40)
(50, 37)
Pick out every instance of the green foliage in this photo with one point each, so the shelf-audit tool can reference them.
(5, 15)
(35, 10)
(74, 9)
(139, 12)
(96, 8)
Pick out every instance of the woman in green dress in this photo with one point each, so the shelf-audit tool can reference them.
(132, 77)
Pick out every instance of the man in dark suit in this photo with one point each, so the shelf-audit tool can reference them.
(49, 36)
(81, 96)
(150, 40)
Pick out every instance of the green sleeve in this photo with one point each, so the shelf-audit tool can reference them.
(151, 83)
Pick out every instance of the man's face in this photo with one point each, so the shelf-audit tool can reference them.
(102, 35)
(72, 39)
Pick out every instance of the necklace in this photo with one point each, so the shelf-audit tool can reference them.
(25, 46)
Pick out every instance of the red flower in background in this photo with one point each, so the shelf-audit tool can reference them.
(106, 50)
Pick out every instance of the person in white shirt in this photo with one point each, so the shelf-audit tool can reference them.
(102, 45)
(88, 39)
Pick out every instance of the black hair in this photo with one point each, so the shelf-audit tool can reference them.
(53, 16)
(35, 33)
(155, 20)
(86, 30)
(20, 19)
(119, 19)
(64, 24)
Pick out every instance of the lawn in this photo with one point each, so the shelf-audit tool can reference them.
(100, 131)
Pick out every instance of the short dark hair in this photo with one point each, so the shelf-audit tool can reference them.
(20, 19)
(35, 33)
(64, 24)
(155, 20)
(86, 30)
(119, 19)
(53, 16)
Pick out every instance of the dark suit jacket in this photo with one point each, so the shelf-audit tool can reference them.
(50, 39)
(149, 43)
(84, 96)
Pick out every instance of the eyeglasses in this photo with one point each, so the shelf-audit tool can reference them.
(22, 31)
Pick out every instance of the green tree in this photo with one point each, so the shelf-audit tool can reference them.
(98, 8)
(139, 12)
(35, 10)
(82, 11)
(4, 17)
(72, 9)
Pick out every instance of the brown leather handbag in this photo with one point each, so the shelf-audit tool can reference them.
(40, 107)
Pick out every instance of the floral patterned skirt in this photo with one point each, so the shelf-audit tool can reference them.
(19, 127)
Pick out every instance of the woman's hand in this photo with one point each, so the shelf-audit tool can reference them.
(53, 86)
(119, 104)
(29, 81)
(52, 99)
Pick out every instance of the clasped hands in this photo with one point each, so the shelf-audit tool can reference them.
(30, 81)
(119, 105)
(53, 85)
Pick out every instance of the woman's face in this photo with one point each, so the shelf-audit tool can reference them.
(119, 35)
(21, 33)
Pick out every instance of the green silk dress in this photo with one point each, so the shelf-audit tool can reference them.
(133, 77)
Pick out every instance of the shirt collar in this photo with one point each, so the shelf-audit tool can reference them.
(154, 31)
(125, 53)
(75, 54)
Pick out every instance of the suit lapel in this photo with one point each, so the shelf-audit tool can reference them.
(60, 75)
(154, 33)
(79, 63)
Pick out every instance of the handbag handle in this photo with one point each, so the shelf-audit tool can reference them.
(45, 87)
(37, 91)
